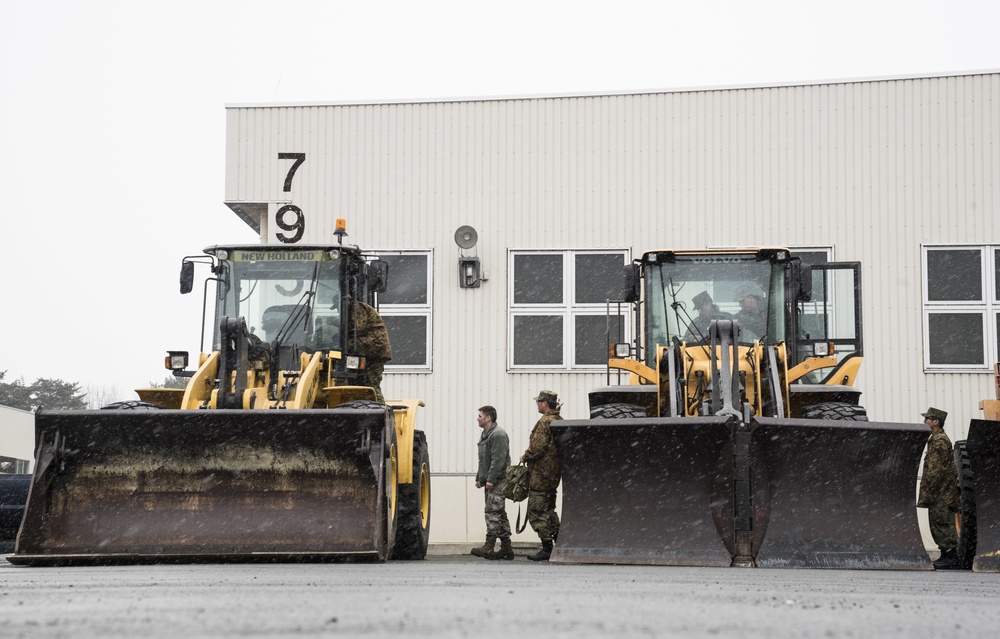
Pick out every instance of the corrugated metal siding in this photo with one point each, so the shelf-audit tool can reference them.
(873, 168)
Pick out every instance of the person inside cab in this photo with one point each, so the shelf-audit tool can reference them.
(752, 315)
(708, 311)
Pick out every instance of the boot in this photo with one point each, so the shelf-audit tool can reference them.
(947, 561)
(487, 547)
(544, 553)
(505, 552)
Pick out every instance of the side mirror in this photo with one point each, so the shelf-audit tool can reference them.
(187, 277)
(805, 282)
(378, 276)
(632, 281)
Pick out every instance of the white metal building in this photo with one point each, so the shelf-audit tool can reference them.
(901, 174)
(17, 440)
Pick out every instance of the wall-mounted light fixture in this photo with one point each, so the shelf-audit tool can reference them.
(469, 269)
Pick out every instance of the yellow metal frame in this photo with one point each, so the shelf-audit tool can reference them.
(809, 365)
(637, 368)
(405, 413)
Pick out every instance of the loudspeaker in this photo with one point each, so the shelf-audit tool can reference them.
(466, 237)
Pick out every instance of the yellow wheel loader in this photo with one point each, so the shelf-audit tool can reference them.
(276, 449)
(977, 459)
(739, 439)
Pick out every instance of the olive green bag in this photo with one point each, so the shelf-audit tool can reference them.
(516, 486)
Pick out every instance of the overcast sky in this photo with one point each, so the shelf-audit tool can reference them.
(112, 120)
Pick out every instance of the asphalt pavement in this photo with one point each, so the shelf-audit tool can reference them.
(464, 596)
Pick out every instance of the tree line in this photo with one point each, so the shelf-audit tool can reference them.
(57, 394)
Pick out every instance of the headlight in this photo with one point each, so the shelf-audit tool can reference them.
(352, 362)
(823, 349)
(176, 360)
(621, 351)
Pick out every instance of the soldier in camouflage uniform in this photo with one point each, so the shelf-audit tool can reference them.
(494, 458)
(366, 326)
(544, 473)
(939, 492)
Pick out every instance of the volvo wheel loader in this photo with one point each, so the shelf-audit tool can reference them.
(275, 449)
(739, 439)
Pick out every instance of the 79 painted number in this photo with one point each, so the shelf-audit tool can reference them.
(298, 224)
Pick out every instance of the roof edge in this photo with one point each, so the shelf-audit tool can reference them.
(593, 94)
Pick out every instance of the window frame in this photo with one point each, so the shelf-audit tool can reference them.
(411, 310)
(568, 310)
(987, 307)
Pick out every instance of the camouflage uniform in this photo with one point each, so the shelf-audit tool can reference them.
(372, 342)
(939, 492)
(494, 458)
(544, 473)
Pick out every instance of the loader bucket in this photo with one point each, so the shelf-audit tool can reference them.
(983, 446)
(837, 494)
(128, 486)
(646, 491)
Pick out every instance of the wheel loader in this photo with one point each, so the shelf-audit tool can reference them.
(977, 459)
(738, 438)
(277, 448)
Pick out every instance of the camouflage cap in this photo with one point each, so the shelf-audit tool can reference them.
(547, 396)
(934, 413)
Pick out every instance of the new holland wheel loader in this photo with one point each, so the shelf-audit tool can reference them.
(274, 450)
(739, 439)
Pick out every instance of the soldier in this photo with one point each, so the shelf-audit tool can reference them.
(752, 315)
(939, 492)
(708, 310)
(494, 458)
(371, 339)
(544, 473)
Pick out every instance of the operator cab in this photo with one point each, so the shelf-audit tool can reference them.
(685, 291)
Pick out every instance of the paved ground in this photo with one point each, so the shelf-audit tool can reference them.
(463, 596)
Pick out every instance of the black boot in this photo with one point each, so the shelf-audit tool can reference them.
(505, 552)
(487, 547)
(947, 561)
(544, 553)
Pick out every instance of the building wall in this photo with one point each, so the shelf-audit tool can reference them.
(875, 169)
(17, 434)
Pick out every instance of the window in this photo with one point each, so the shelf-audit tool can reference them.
(961, 308)
(558, 308)
(405, 307)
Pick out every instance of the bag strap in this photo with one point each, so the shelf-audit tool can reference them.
(519, 527)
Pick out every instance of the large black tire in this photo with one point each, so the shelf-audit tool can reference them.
(414, 525)
(967, 516)
(617, 411)
(131, 405)
(362, 403)
(838, 411)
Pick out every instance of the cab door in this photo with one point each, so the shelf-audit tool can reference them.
(832, 315)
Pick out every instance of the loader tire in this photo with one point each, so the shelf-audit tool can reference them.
(967, 516)
(131, 405)
(362, 403)
(837, 411)
(414, 525)
(617, 411)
